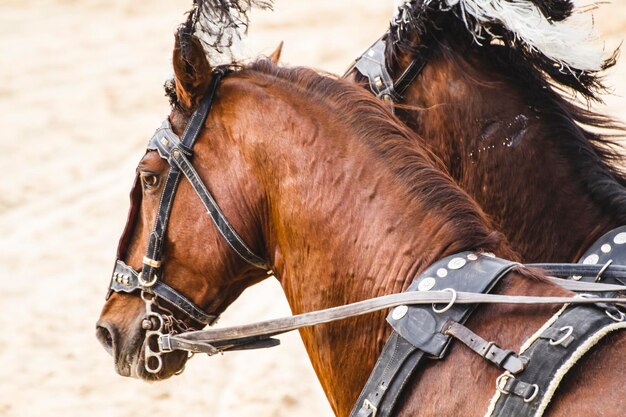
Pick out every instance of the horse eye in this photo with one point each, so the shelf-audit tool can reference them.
(150, 181)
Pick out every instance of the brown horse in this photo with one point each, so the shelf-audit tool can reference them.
(497, 116)
(345, 204)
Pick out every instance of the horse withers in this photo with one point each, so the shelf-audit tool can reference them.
(312, 178)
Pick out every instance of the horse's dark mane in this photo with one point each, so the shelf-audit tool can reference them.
(418, 170)
(580, 133)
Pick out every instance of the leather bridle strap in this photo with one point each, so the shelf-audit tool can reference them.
(373, 65)
(203, 341)
(177, 152)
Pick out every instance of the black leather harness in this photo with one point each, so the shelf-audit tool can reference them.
(557, 346)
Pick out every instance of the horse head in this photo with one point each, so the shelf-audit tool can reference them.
(170, 238)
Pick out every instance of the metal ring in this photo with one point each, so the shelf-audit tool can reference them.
(450, 304)
(161, 324)
(147, 284)
(500, 386)
(618, 319)
(606, 265)
(533, 395)
(568, 332)
(146, 363)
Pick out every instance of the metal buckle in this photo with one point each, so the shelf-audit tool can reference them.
(367, 405)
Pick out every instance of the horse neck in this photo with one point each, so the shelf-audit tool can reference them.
(507, 157)
(340, 229)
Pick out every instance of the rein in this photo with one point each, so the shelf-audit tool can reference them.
(214, 341)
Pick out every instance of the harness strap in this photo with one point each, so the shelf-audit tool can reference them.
(125, 279)
(503, 358)
(372, 65)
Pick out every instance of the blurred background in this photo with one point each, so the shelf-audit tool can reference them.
(81, 95)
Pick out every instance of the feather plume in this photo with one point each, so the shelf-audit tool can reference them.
(552, 28)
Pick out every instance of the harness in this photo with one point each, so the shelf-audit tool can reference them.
(424, 319)
(149, 281)
(526, 388)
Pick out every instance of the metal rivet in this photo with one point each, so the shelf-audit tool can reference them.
(606, 248)
(176, 153)
(457, 263)
(165, 142)
(472, 257)
(591, 259)
(126, 281)
(577, 277)
(442, 272)
(399, 312)
(379, 82)
(489, 254)
(426, 284)
(620, 238)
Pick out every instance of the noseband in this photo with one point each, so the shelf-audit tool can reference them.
(149, 280)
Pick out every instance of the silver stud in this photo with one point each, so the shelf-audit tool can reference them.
(472, 257)
(620, 238)
(126, 280)
(489, 254)
(577, 277)
(457, 263)
(591, 259)
(426, 284)
(399, 312)
(164, 141)
(442, 272)
(176, 153)
(606, 248)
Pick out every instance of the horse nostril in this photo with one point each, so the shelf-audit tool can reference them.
(105, 337)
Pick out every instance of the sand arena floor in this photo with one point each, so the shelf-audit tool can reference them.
(81, 94)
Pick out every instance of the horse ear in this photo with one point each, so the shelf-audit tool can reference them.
(192, 72)
(275, 56)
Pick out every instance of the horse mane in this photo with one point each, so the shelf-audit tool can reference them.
(416, 168)
(588, 139)
(421, 173)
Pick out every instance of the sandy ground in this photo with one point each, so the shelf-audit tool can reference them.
(80, 96)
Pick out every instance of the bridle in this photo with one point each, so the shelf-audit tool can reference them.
(373, 65)
(149, 281)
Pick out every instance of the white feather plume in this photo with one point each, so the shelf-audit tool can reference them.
(570, 42)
